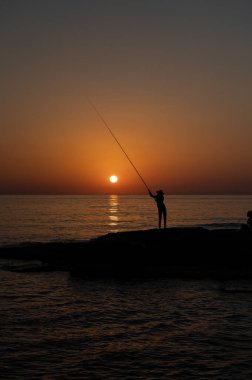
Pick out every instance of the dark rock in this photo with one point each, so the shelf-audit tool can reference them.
(197, 252)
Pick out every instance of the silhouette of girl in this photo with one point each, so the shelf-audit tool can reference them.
(159, 198)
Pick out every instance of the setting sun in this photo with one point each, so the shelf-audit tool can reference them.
(113, 178)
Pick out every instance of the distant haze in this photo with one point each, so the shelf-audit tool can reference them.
(172, 78)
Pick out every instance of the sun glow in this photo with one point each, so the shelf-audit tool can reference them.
(113, 178)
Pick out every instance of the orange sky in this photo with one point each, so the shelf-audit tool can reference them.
(173, 82)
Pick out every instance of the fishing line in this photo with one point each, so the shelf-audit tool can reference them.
(112, 134)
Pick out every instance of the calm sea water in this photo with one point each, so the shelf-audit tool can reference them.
(56, 326)
(50, 218)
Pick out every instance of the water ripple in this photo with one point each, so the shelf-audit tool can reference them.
(57, 327)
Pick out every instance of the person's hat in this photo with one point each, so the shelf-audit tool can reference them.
(160, 191)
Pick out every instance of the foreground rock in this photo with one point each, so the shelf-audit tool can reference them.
(187, 252)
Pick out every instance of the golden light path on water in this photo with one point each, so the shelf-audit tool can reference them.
(113, 210)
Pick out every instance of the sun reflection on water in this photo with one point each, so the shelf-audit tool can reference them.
(113, 210)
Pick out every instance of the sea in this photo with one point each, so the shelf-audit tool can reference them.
(58, 326)
(36, 218)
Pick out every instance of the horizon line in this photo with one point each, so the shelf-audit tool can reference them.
(122, 194)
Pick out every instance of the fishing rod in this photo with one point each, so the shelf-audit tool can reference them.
(112, 134)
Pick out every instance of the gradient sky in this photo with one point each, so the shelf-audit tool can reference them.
(172, 78)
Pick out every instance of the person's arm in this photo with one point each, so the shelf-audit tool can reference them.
(150, 193)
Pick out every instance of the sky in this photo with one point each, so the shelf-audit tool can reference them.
(171, 78)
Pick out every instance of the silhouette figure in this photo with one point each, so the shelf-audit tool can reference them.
(159, 198)
(248, 225)
(249, 221)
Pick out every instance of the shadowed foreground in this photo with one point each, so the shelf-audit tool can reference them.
(186, 252)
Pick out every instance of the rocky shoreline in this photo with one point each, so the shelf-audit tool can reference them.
(186, 252)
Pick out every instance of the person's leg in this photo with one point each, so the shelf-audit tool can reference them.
(159, 217)
(164, 213)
